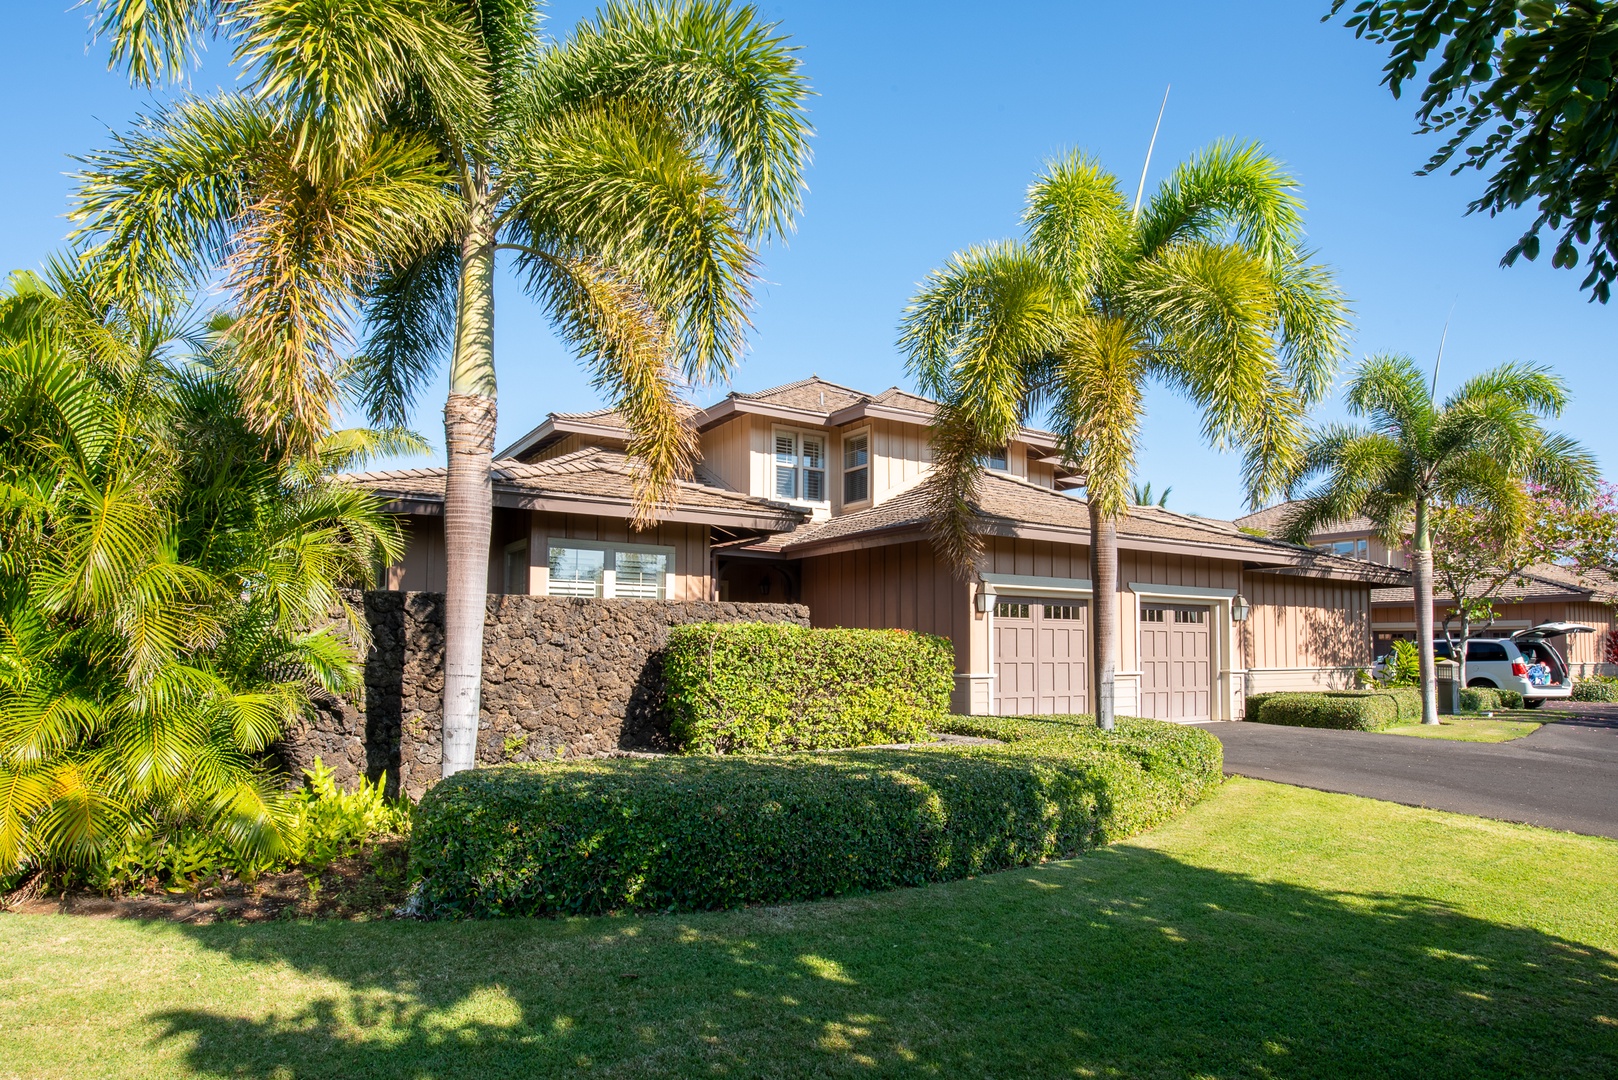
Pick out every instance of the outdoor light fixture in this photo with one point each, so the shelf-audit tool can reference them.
(1238, 608)
(981, 601)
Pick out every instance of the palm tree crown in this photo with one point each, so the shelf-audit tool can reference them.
(389, 149)
(1206, 289)
(1478, 447)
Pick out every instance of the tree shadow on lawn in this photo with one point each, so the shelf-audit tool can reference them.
(1125, 962)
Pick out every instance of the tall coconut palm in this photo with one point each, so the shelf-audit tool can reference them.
(1205, 289)
(167, 584)
(390, 149)
(1479, 447)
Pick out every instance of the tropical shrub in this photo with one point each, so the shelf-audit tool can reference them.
(171, 588)
(767, 688)
(325, 823)
(1347, 710)
(1403, 665)
(1596, 688)
(695, 833)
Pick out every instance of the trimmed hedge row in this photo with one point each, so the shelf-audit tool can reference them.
(702, 833)
(1481, 698)
(1346, 710)
(1596, 688)
(760, 688)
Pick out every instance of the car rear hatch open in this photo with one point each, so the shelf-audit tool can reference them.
(1550, 630)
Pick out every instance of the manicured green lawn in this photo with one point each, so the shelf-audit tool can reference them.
(1502, 727)
(1271, 931)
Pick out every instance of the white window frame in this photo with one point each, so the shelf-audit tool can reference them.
(844, 470)
(799, 469)
(609, 569)
(1005, 460)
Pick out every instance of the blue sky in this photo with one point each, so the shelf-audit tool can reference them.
(932, 118)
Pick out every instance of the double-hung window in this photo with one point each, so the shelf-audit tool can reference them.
(800, 466)
(856, 467)
(610, 570)
(998, 460)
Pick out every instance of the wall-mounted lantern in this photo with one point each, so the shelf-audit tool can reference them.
(981, 600)
(1238, 608)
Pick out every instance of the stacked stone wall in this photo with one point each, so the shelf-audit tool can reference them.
(562, 677)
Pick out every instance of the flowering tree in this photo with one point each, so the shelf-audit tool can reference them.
(1478, 550)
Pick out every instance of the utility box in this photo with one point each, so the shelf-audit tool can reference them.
(1446, 674)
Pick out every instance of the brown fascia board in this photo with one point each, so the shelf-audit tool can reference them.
(1552, 598)
(905, 532)
(554, 428)
(1383, 577)
(433, 506)
(732, 405)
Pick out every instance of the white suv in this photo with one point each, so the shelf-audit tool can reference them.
(1504, 663)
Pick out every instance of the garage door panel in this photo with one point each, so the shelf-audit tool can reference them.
(1176, 662)
(1041, 657)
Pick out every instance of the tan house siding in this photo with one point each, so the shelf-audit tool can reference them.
(902, 586)
(727, 451)
(1302, 633)
(422, 568)
(901, 455)
(692, 567)
(1586, 652)
(567, 444)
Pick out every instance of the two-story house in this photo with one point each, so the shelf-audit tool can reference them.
(811, 492)
(1541, 594)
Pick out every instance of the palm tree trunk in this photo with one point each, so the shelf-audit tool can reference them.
(1104, 625)
(1423, 574)
(469, 417)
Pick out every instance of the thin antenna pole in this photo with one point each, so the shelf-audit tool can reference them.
(1141, 190)
(1433, 393)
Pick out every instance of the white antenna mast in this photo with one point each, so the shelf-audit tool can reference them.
(1433, 393)
(1141, 190)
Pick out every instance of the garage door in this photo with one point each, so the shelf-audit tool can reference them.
(1175, 662)
(1041, 655)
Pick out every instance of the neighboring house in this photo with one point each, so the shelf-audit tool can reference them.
(811, 492)
(1542, 594)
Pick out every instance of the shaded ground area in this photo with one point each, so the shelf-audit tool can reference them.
(1271, 931)
(1562, 776)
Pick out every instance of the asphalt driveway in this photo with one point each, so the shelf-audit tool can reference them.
(1563, 776)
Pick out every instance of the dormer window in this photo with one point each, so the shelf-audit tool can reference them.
(800, 466)
(856, 467)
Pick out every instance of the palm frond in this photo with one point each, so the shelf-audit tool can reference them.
(1229, 192)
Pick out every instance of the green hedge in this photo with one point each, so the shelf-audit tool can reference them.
(1597, 688)
(1487, 698)
(762, 688)
(698, 833)
(1348, 710)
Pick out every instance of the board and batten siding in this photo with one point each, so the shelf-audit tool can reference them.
(897, 586)
(1304, 633)
(422, 568)
(1586, 652)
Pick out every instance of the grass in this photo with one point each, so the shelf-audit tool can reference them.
(1504, 726)
(1270, 931)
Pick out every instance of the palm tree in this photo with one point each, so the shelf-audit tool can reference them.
(1479, 447)
(168, 583)
(1205, 289)
(1141, 495)
(389, 149)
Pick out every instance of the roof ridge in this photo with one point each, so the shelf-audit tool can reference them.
(800, 382)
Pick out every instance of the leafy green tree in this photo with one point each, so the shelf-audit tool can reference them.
(1524, 89)
(1480, 447)
(1205, 289)
(170, 584)
(388, 150)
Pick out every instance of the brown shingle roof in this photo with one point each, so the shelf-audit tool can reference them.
(1006, 501)
(593, 473)
(1545, 581)
(1268, 521)
(813, 394)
